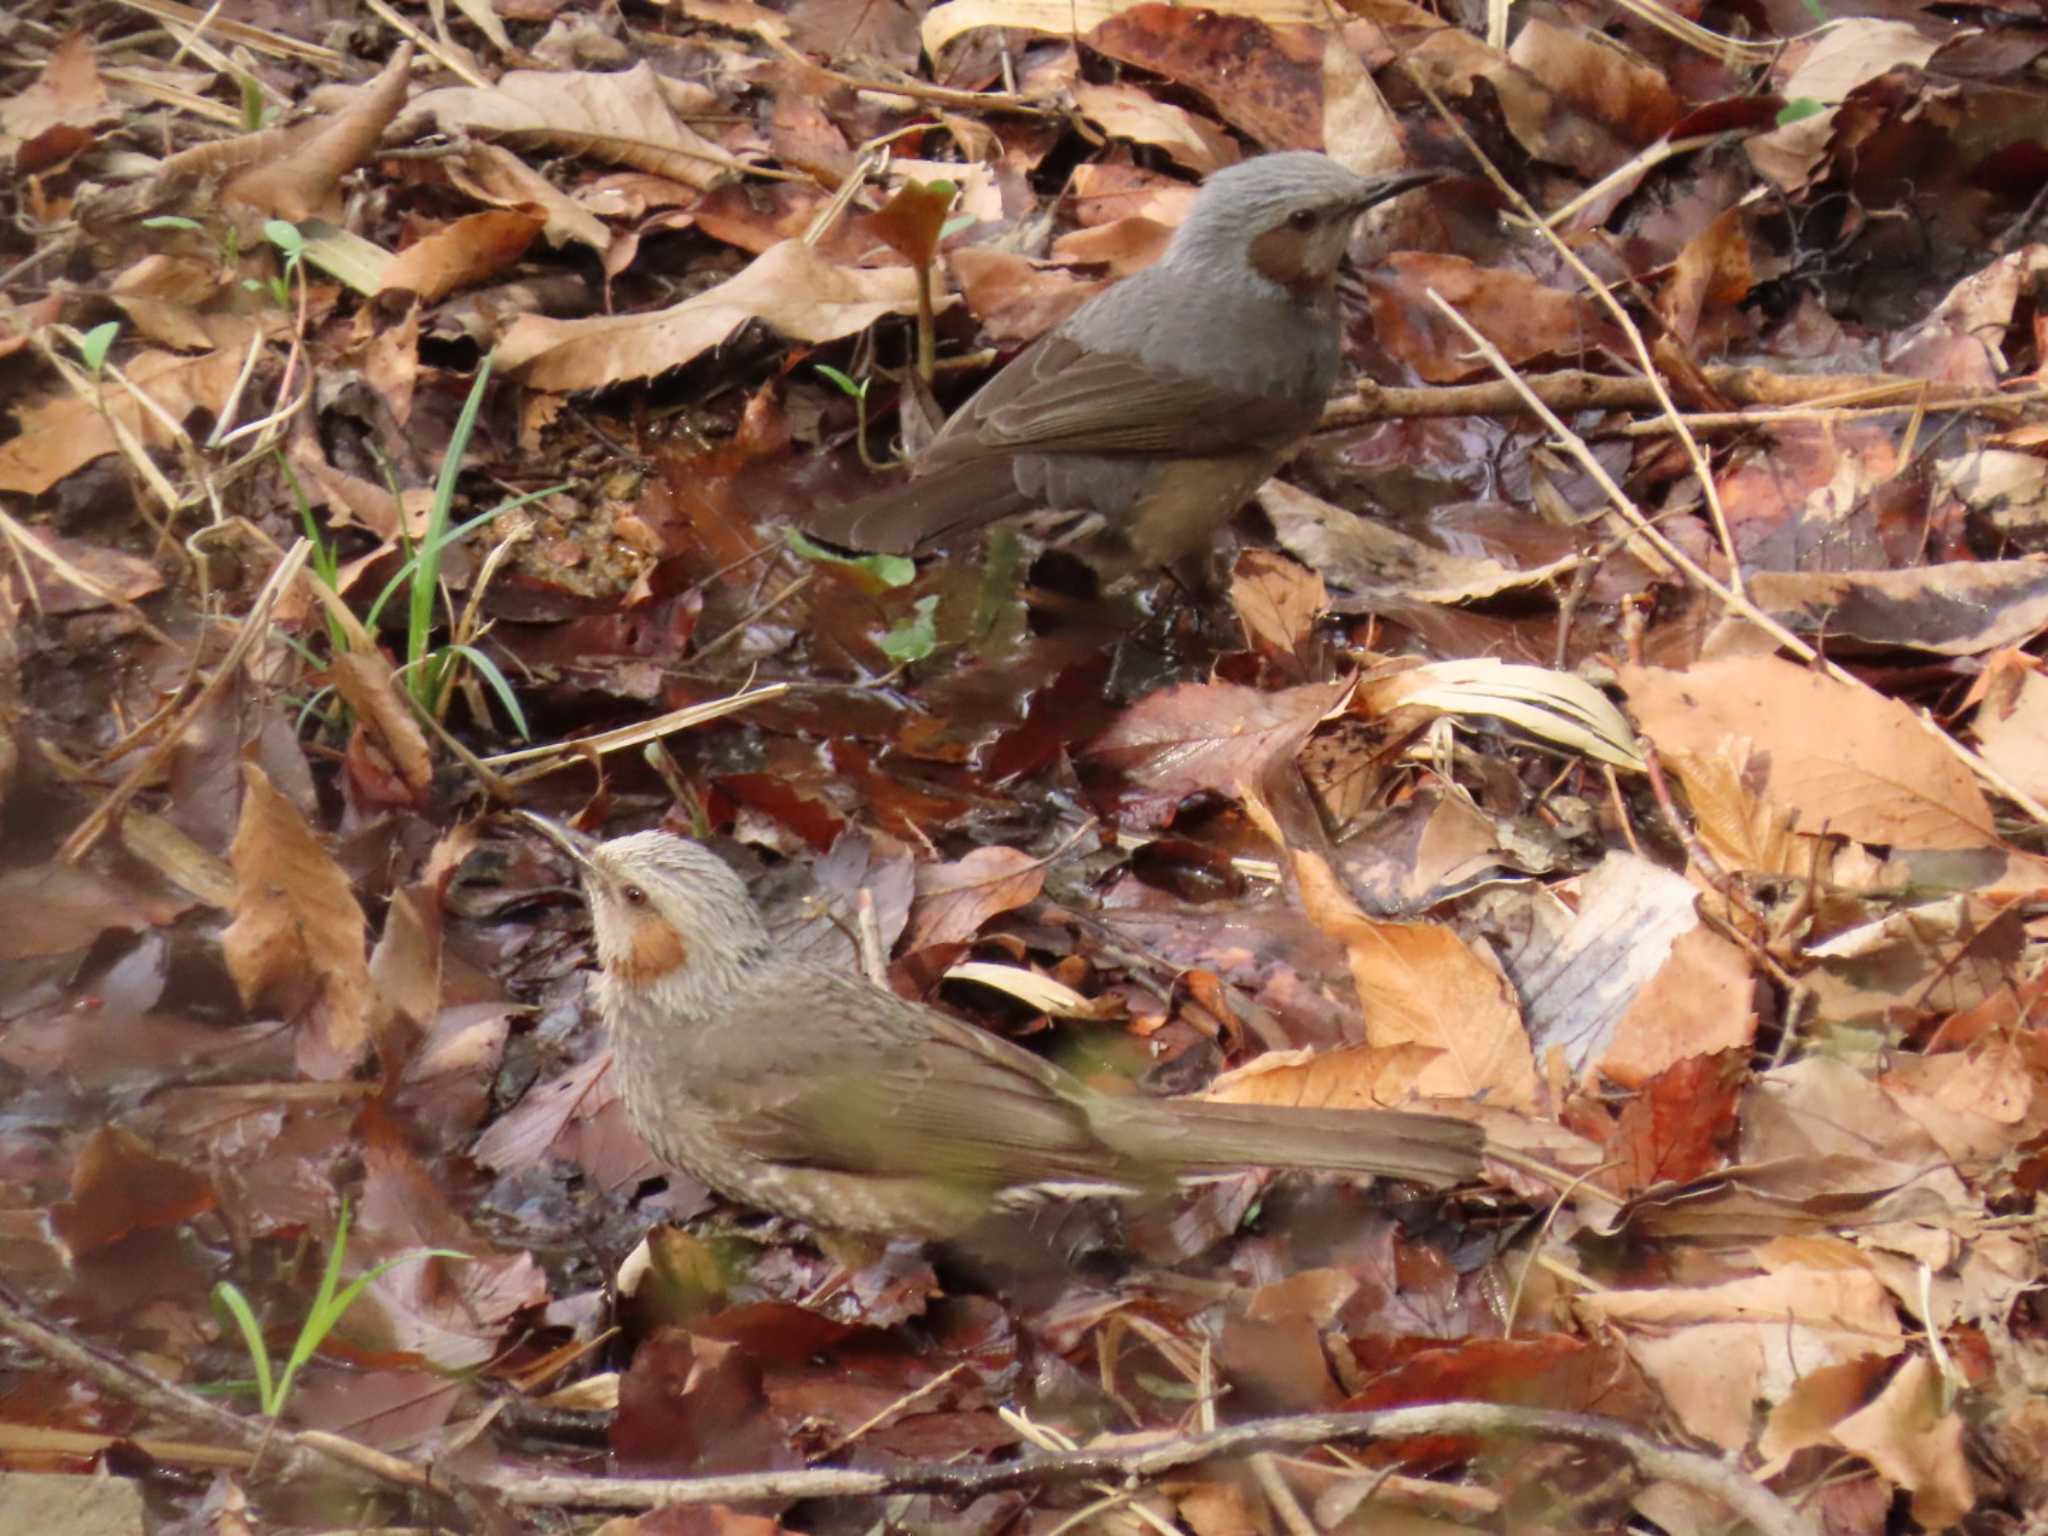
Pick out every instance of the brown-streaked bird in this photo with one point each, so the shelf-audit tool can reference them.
(1163, 402)
(810, 1092)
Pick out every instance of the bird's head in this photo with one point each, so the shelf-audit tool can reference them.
(662, 907)
(1285, 218)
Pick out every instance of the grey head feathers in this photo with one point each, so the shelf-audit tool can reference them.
(1244, 200)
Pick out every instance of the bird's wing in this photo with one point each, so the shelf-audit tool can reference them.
(1060, 397)
(908, 1090)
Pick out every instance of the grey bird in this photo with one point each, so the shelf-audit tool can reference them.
(1163, 402)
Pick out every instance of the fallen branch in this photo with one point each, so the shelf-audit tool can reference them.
(1740, 1493)
(1736, 1490)
(1574, 389)
(284, 1453)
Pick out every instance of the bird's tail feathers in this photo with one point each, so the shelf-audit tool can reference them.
(1189, 1136)
(922, 512)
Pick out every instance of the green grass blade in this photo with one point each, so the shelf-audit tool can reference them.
(488, 669)
(427, 578)
(228, 1297)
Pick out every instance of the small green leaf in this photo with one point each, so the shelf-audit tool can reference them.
(253, 109)
(954, 225)
(1799, 109)
(285, 237)
(916, 637)
(859, 390)
(889, 570)
(94, 345)
(172, 221)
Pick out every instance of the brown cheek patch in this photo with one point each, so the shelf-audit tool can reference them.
(1281, 255)
(652, 950)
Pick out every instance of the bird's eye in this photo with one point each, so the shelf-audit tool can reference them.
(1302, 218)
(633, 896)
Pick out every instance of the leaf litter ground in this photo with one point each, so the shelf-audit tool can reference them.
(1659, 785)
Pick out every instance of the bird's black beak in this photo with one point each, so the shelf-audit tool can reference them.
(570, 841)
(1378, 189)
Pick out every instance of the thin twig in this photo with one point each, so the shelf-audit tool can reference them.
(1614, 307)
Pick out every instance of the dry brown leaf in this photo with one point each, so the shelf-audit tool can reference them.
(1521, 316)
(405, 973)
(789, 288)
(1420, 984)
(1950, 609)
(366, 681)
(1264, 80)
(1015, 299)
(1349, 1077)
(1368, 555)
(1713, 272)
(1714, 1349)
(1600, 79)
(1836, 60)
(1277, 602)
(1207, 736)
(1745, 832)
(627, 118)
(472, 250)
(1816, 1404)
(1978, 1105)
(59, 113)
(1911, 1436)
(1844, 760)
(1632, 984)
(300, 178)
(296, 942)
(1128, 112)
(2013, 733)
(954, 900)
(60, 436)
(494, 175)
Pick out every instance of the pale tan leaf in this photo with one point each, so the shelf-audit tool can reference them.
(63, 435)
(1843, 759)
(789, 288)
(296, 942)
(1035, 989)
(1277, 600)
(1913, 1438)
(1129, 112)
(1366, 555)
(1555, 706)
(626, 118)
(301, 178)
(367, 683)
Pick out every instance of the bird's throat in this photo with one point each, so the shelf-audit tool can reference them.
(646, 951)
